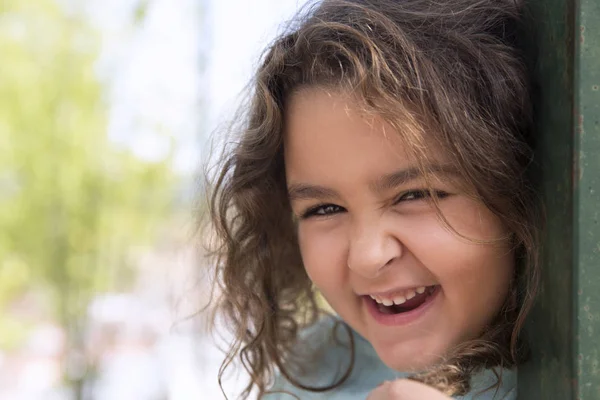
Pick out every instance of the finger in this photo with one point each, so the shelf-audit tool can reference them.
(380, 392)
(406, 389)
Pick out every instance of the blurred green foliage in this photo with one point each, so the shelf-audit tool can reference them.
(72, 204)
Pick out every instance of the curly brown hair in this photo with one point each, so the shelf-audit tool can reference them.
(452, 64)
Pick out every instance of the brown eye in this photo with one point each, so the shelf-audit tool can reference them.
(322, 210)
(414, 195)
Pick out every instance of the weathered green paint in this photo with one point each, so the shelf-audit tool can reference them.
(564, 329)
(549, 374)
(586, 197)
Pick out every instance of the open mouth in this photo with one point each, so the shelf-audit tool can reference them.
(407, 305)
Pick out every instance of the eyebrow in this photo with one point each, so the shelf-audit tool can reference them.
(401, 177)
(303, 191)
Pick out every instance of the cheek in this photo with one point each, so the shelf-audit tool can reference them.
(479, 272)
(458, 263)
(478, 288)
(473, 221)
(323, 251)
(488, 264)
(475, 276)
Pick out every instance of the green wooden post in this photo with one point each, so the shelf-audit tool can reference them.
(587, 199)
(565, 326)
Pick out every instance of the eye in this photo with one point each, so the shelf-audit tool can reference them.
(322, 210)
(421, 194)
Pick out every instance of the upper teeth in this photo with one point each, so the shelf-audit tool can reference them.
(399, 298)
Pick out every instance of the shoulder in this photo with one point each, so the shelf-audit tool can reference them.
(483, 385)
(336, 348)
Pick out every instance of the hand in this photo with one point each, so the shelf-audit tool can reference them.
(405, 389)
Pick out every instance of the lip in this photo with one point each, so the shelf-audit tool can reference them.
(402, 318)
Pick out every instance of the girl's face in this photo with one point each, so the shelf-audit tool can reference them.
(372, 243)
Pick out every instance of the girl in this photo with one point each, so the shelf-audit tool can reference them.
(381, 177)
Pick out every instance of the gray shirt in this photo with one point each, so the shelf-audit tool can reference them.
(330, 339)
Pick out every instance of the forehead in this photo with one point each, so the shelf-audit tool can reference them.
(328, 131)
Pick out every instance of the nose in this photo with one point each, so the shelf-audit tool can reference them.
(372, 248)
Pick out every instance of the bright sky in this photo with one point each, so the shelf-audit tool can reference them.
(157, 86)
(241, 29)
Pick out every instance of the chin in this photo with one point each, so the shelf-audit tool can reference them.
(408, 361)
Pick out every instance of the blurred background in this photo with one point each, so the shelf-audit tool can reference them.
(106, 110)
